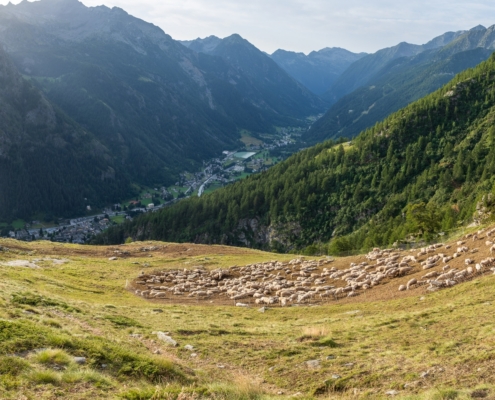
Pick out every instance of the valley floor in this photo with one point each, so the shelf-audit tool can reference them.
(59, 301)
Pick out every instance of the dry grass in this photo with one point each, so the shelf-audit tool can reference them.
(424, 346)
(315, 332)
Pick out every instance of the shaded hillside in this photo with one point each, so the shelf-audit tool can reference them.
(438, 153)
(48, 163)
(318, 70)
(266, 83)
(402, 81)
(360, 72)
(158, 107)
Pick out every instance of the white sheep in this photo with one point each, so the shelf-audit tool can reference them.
(430, 275)
(411, 282)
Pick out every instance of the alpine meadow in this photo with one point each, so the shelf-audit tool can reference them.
(231, 200)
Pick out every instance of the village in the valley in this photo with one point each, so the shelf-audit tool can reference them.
(256, 156)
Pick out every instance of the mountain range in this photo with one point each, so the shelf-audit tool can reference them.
(318, 70)
(156, 107)
(427, 168)
(96, 101)
(379, 84)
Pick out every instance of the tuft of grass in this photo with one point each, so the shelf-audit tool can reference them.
(326, 342)
(45, 377)
(120, 320)
(315, 332)
(13, 366)
(52, 323)
(53, 357)
(144, 392)
(234, 391)
(445, 394)
(87, 376)
(34, 300)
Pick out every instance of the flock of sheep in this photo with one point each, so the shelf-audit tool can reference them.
(300, 281)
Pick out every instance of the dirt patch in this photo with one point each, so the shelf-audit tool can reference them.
(264, 284)
(133, 250)
(21, 263)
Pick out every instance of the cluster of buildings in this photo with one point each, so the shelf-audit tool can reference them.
(219, 171)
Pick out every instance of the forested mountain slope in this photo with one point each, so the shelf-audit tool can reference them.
(400, 82)
(361, 71)
(424, 169)
(318, 70)
(158, 107)
(48, 163)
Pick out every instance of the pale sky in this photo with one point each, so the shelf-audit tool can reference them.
(306, 25)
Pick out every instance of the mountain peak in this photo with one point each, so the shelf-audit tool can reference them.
(478, 28)
(235, 38)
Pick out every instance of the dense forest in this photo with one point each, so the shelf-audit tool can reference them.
(425, 169)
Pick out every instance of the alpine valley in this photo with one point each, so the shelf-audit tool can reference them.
(147, 107)
(326, 226)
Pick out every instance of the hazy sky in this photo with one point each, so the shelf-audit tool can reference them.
(306, 25)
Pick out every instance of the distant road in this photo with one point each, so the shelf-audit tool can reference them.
(202, 187)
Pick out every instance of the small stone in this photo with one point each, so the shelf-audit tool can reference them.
(422, 298)
(167, 339)
(193, 355)
(392, 393)
(349, 365)
(221, 366)
(189, 347)
(336, 376)
(262, 309)
(80, 360)
(103, 366)
(271, 369)
(242, 305)
(280, 393)
(157, 352)
(313, 363)
(424, 374)
(112, 259)
(330, 357)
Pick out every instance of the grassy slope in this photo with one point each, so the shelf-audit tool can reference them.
(379, 341)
